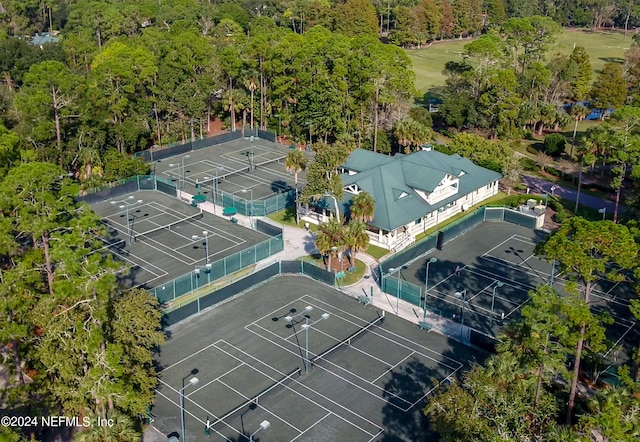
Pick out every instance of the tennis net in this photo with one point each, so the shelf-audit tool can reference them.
(166, 227)
(347, 342)
(254, 400)
(253, 163)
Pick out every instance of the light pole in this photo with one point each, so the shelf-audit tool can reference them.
(250, 205)
(264, 425)
(193, 381)
(196, 271)
(125, 204)
(304, 314)
(306, 328)
(205, 236)
(214, 186)
(463, 295)
(604, 212)
(181, 172)
(426, 286)
(493, 295)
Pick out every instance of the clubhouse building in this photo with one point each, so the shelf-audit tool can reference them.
(412, 193)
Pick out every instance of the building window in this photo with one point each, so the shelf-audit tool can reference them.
(416, 222)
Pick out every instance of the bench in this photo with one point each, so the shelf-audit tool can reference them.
(363, 299)
(425, 325)
(234, 220)
(351, 269)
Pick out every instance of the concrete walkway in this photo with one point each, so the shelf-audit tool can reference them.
(299, 242)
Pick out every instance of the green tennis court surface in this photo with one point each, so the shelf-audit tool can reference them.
(497, 270)
(161, 237)
(233, 167)
(352, 374)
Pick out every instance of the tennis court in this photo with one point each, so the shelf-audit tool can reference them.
(353, 374)
(497, 269)
(235, 167)
(161, 237)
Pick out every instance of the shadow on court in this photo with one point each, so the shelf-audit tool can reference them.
(316, 364)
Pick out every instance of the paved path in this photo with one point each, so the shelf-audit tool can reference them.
(298, 242)
(540, 186)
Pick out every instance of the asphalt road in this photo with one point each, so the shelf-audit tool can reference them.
(540, 186)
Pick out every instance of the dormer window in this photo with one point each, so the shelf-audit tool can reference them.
(353, 188)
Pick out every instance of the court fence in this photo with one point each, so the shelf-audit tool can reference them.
(191, 282)
(258, 207)
(393, 284)
(216, 296)
(160, 153)
(128, 185)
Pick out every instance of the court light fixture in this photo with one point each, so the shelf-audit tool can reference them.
(193, 381)
(289, 319)
(264, 425)
(426, 286)
(306, 327)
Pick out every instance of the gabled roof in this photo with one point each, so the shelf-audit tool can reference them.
(394, 182)
(361, 160)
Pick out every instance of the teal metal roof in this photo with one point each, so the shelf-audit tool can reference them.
(394, 181)
(44, 38)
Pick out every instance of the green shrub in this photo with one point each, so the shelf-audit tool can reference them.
(529, 164)
(532, 150)
(554, 144)
(527, 134)
(598, 187)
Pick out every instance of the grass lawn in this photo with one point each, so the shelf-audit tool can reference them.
(493, 201)
(375, 251)
(287, 217)
(602, 47)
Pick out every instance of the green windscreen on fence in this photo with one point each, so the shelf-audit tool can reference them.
(407, 291)
(187, 283)
(259, 207)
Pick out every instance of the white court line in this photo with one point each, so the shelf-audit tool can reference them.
(618, 341)
(524, 239)
(312, 425)
(247, 398)
(295, 353)
(208, 413)
(231, 370)
(343, 379)
(207, 226)
(397, 337)
(391, 369)
(515, 267)
(304, 386)
(213, 344)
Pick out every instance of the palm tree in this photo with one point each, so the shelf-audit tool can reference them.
(122, 430)
(295, 162)
(512, 171)
(578, 112)
(330, 239)
(363, 207)
(356, 238)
